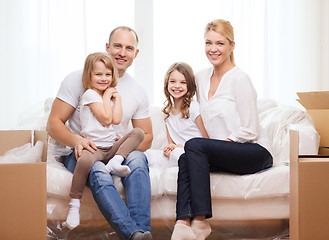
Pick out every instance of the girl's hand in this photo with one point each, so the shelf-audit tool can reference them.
(116, 95)
(108, 93)
(168, 149)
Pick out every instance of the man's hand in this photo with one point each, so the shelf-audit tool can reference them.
(84, 143)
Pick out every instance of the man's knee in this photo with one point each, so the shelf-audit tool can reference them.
(99, 175)
(136, 159)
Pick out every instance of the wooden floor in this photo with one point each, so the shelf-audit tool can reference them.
(263, 230)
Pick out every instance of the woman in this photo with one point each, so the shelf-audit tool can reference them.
(228, 105)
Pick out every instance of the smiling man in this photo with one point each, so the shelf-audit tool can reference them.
(130, 220)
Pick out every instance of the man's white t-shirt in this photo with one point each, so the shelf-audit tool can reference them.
(135, 103)
(91, 128)
(182, 129)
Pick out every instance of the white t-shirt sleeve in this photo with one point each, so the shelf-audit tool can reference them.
(143, 106)
(71, 89)
(194, 110)
(90, 96)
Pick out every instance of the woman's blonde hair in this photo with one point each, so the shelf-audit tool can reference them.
(187, 72)
(89, 67)
(224, 28)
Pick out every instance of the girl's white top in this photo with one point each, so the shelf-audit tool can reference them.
(232, 111)
(91, 128)
(182, 129)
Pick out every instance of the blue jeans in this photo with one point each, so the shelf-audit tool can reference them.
(127, 218)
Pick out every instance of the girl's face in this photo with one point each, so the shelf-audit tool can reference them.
(177, 85)
(101, 77)
(217, 48)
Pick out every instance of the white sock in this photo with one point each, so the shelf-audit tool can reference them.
(114, 166)
(73, 217)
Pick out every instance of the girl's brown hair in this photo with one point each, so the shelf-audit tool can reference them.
(89, 67)
(187, 71)
(224, 28)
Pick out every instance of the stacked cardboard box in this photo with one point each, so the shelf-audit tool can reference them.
(309, 175)
(23, 197)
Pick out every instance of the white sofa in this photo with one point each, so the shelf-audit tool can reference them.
(244, 207)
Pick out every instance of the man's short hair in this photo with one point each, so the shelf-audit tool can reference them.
(124, 28)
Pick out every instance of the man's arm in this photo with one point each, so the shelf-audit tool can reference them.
(146, 125)
(56, 128)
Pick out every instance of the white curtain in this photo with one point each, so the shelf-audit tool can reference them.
(282, 45)
(41, 41)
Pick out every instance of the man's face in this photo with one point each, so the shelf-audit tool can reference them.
(123, 49)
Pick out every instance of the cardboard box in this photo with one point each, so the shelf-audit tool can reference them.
(309, 194)
(23, 191)
(317, 106)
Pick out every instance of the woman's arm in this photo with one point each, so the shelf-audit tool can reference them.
(199, 123)
(246, 105)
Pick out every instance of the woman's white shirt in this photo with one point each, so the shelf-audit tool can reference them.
(232, 111)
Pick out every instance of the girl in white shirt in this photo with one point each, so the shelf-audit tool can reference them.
(100, 109)
(228, 105)
(183, 120)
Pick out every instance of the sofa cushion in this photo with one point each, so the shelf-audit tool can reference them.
(268, 183)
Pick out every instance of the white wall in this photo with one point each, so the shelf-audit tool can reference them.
(282, 45)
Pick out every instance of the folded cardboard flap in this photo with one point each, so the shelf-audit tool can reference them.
(11, 139)
(314, 100)
(317, 106)
(43, 137)
(16, 138)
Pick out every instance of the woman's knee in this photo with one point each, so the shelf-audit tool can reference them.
(193, 143)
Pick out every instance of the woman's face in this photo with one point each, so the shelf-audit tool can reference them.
(217, 48)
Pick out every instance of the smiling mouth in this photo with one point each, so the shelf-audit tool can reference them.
(177, 91)
(214, 55)
(120, 60)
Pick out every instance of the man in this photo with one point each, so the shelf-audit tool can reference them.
(130, 220)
